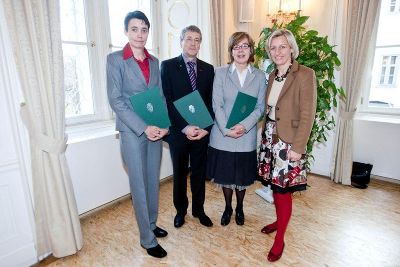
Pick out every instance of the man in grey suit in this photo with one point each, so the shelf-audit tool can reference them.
(131, 71)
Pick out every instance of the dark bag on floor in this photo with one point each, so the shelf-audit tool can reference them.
(361, 175)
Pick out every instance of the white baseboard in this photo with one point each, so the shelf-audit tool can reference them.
(381, 178)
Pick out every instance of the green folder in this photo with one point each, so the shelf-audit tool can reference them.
(193, 110)
(243, 106)
(151, 108)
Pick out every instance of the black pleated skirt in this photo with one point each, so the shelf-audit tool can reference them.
(236, 170)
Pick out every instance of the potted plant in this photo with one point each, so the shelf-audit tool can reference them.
(317, 54)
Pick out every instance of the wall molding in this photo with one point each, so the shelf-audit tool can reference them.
(9, 165)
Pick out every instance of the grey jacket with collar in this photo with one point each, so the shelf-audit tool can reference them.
(124, 79)
(225, 89)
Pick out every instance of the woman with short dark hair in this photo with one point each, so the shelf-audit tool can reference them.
(131, 71)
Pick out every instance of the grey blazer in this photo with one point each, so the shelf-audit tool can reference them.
(225, 90)
(124, 79)
(141, 156)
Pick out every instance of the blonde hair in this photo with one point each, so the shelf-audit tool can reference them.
(290, 39)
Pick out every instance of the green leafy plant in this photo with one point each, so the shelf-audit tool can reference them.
(318, 54)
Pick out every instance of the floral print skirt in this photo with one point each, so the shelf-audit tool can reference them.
(274, 168)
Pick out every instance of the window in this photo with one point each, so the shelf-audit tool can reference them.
(91, 29)
(394, 6)
(388, 70)
(383, 95)
(77, 80)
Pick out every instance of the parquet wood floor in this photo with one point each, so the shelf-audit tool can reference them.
(331, 225)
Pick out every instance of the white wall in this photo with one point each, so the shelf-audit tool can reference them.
(97, 171)
(378, 143)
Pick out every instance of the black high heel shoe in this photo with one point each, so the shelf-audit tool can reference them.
(226, 217)
(239, 217)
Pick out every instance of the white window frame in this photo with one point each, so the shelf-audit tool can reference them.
(99, 46)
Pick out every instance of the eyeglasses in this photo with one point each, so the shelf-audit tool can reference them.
(243, 46)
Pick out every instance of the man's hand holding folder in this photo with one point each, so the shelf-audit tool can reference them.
(193, 110)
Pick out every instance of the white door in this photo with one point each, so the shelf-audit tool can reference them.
(177, 14)
(16, 235)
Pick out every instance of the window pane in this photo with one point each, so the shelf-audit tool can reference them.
(384, 91)
(392, 5)
(72, 17)
(118, 11)
(390, 80)
(393, 60)
(78, 88)
(391, 72)
(382, 81)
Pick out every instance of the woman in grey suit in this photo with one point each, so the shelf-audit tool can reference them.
(131, 71)
(232, 158)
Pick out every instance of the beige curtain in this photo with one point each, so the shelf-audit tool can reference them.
(361, 29)
(34, 27)
(217, 32)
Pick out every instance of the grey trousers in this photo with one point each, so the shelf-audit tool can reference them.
(143, 159)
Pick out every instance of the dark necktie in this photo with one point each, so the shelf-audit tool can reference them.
(192, 74)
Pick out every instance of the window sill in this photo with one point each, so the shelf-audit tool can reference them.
(373, 117)
(90, 131)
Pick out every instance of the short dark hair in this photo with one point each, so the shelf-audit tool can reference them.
(235, 39)
(191, 28)
(136, 15)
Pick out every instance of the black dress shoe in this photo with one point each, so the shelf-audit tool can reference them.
(239, 217)
(158, 232)
(157, 252)
(204, 219)
(226, 217)
(179, 220)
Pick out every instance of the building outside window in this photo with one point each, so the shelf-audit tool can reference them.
(388, 70)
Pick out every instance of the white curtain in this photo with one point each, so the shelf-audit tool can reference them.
(361, 30)
(217, 8)
(34, 27)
